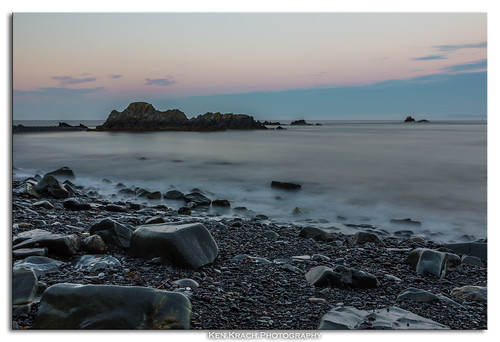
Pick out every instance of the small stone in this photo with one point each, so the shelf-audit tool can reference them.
(317, 300)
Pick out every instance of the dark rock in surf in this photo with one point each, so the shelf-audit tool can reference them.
(315, 233)
(285, 185)
(174, 195)
(300, 123)
(154, 195)
(221, 203)
(184, 211)
(63, 173)
(409, 119)
(406, 221)
(197, 198)
(49, 186)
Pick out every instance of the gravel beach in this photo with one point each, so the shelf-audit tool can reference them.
(257, 280)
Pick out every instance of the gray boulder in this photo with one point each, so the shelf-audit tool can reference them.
(22, 253)
(428, 261)
(316, 234)
(24, 288)
(93, 263)
(340, 276)
(57, 244)
(27, 188)
(471, 293)
(49, 186)
(390, 318)
(187, 245)
(72, 306)
(471, 260)
(113, 233)
(94, 244)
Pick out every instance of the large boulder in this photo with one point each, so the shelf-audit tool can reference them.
(72, 306)
(390, 318)
(428, 261)
(340, 276)
(57, 244)
(112, 233)
(49, 186)
(187, 245)
(174, 195)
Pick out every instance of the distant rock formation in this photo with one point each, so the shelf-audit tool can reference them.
(142, 116)
(300, 123)
(411, 119)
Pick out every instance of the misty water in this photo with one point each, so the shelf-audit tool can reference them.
(357, 172)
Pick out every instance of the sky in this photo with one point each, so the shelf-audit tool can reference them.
(319, 65)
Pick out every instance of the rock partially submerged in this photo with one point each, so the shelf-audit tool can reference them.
(142, 116)
(72, 306)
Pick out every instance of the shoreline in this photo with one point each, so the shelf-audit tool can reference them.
(256, 291)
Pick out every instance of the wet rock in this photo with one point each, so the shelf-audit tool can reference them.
(187, 245)
(155, 220)
(39, 264)
(93, 263)
(173, 195)
(26, 252)
(428, 261)
(471, 293)
(471, 260)
(423, 296)
(270, 235)
(293, 269)
(320, 258)
(57, 244)
(340, 276)
(24, 288)
(115, 208)
(221, 203)
(187, 282)
(363, 237)
(44, 204)
(197, 198)
(406, 221)
(184, 211)
(316, 234)
(49, 186)
(285, 185)
(62, 174)
(27, 188)
(126, 191)
(72, 306)
(76, 204)
(94, 244)
(390, 318)
(154, 195)
(113, 233)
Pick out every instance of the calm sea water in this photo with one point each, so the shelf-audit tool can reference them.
(367, 172)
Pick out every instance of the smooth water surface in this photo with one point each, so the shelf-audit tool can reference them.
(367, 172)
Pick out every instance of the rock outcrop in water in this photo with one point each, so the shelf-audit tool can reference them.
(142, 116)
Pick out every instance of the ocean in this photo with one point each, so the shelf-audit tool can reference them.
(358, 172)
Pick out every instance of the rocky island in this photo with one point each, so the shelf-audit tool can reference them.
(142, 116)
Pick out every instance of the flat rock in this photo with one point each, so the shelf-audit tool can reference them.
(187, 282)
(44, 204)
(22, 253)
(72, 306)
(76, 204)
(57, 244)
(186, 245)
(93, 263)
(390, 318)
(340, 276)
(423, 296)
(39, 264)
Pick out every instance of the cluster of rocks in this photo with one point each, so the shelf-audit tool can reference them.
(142, 116)
(411, 119)
(78, 265)
(63, 127)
